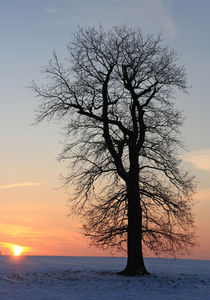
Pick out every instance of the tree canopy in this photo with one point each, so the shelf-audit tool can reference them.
(115, 92)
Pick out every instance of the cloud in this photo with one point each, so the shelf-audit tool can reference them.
(14, 230)
(200, 159)
(48, 241)
(18, 185)
(50, 10)
(166, 17)
(159, 12)
(153, 15)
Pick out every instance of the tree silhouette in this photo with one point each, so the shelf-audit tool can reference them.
(114, 92)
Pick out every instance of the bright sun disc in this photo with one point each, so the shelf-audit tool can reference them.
(17, 250)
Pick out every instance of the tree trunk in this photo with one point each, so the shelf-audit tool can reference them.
(135, 261)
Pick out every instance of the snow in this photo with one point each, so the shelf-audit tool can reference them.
(89, 278)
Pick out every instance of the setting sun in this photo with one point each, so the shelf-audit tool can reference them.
(17, 250)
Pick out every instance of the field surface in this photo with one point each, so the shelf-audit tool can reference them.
(69, 278)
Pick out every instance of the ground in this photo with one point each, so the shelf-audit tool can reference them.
(84, 278)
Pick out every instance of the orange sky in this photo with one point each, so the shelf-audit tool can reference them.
(35, 216)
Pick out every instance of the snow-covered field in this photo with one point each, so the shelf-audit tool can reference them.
(69, 278)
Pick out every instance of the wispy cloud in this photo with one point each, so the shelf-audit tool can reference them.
(153, 15)
(159, 12)
(166, 17)
(200, 159)
(39, 241)
(11, 246)
(18, 185)
(50, 10)
(14, 230)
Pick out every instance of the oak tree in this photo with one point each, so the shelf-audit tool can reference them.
(115, 92)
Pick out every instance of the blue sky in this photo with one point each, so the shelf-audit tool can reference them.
(31, 29)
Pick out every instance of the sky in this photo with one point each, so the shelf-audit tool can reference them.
(33, 207)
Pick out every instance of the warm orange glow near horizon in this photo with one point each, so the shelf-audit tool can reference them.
(40, 226)
(16, 250)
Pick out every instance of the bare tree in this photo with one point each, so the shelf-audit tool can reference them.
(115, 91)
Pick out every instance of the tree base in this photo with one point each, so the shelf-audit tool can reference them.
(127, 272)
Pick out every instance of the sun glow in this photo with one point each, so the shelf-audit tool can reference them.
(17, 250)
